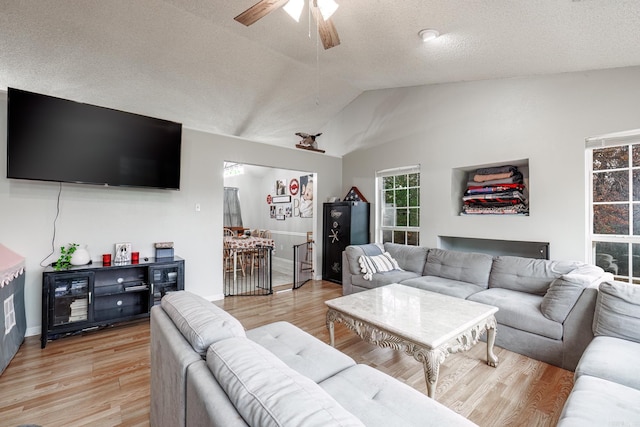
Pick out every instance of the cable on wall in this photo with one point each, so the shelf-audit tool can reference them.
(55, 220)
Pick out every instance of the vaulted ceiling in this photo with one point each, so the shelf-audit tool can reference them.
(189, 61)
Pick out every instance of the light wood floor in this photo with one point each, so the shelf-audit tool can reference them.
(102, 378)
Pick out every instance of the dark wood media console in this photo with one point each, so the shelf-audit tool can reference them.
(93, 296)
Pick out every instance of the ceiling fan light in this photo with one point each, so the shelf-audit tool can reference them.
(428, 34)
(327, 8)
(294, 9)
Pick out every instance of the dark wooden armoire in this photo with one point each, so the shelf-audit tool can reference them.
(344, 224)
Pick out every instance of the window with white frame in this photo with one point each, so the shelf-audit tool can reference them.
(614, 198)
(398, 201)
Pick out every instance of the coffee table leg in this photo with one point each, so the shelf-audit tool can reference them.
(331, 337)
(431, 363)
(492, 359)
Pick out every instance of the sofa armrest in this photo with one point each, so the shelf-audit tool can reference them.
(171, 355)
(347, 284)
(577, 332)
(617, 311)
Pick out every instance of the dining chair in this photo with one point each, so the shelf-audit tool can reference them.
(230, 257)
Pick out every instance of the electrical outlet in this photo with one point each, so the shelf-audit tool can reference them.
(197, 207)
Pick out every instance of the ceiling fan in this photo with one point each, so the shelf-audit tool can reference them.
(321, 10)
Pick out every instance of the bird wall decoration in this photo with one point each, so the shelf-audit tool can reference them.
(308, 141)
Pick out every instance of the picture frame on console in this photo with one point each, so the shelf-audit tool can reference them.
(122, 253)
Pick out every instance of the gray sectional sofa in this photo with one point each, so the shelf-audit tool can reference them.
(546, 308)
(606, 390)
(206, 370)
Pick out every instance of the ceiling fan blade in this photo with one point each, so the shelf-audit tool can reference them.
(326, 29)
(259, 10)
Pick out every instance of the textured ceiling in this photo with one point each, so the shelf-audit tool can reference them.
(189, 61)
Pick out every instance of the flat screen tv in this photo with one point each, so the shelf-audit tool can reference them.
(53, 139)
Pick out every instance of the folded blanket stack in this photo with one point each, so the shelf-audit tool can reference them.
(496, 190)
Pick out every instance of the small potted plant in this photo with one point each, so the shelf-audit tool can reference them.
(64, 262)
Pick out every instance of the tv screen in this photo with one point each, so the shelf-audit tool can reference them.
(53, 139)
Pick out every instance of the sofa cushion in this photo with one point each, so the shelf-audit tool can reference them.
(618, 311)
(380, 400)
(266, 392)
(410, 258)
(382, 279)
(597, 402)
(353, 252)
(453, 288)
(527, 274)
(369, 265)
(200, 321)
(519, 310)
(563, 292)
(462, 266)
(611, 359)
(301, 351)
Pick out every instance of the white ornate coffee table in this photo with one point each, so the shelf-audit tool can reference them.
(426, 325)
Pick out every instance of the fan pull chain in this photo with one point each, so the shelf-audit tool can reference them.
(309, 17)
(317, 64)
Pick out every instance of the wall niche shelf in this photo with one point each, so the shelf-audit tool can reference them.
(460, 181)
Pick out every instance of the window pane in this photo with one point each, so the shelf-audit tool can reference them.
(414, 197)
(414, 180)
(612, 257)
(611, 186)
(414, 217)
(387, 236)
(611, 219)
(401, 181)
(611, 158)
(401, 217)
(636, 155)
(413, 238)
(635, 260)
(387, 217)
(388, 198)
(399, 237)
(401, 198)
(387, 183)
(636, 221)
(636, 185)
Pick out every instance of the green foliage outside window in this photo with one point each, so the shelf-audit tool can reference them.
(616, 210)
(401, 210)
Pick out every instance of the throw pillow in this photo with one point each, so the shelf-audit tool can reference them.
(370, 265)
(563, 292)
(618, 311)
(560, 299)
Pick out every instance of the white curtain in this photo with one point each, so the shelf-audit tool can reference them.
(232, 213)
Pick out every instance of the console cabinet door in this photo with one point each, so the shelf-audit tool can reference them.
(66, 302)
(165, 278)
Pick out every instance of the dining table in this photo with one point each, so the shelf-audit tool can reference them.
(241, 242)
(237, 244)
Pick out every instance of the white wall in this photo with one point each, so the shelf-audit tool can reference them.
(544, 119)
(100, 217)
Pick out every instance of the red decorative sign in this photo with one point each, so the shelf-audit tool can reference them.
(269, 199)
(294, 186)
